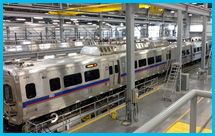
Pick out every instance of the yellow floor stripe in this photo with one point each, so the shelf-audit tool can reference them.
(183, 115)
(111, 111)
(107, 113)
(181, 127)
(207, 130)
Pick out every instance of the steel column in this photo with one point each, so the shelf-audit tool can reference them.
(179, 45)
(193, 114)
(8, 32)
(100, 29)
(46, 32)
(26, 34)
(147, 30)
(130, 60)
(76, 32)
(61, 26)
(204, 39)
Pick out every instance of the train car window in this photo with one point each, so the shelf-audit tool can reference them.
(135, 64)
(210, 46)
(116, 68)
(183, 53)
(91, 75)
(71, 80)
(168, 56)
(188, 51)
(8, 96)
(151, 60)
(110, 70)
(198, 49)
(158, 58)
(30, 90)
(142, 62)
(54, 84)
(194, 50)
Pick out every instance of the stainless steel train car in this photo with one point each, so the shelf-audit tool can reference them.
(34, 89)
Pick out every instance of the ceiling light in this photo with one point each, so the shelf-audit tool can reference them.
(55, 23)
(94, 24)
(146, 7)
(38, 17)
(190, 15)
(68, 22)
(20, 19)
(41, 21)
(28, 22)
(73, 19)
(172, 11)
(89, 23)
(56, 20)
(121, 24)
(194, 3)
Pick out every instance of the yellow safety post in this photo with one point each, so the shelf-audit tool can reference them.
(114, 114)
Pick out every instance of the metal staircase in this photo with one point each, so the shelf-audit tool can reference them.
(170, 86)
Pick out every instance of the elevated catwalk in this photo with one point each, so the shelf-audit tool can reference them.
(150, 105)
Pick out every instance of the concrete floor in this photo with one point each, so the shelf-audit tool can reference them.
(150, 106)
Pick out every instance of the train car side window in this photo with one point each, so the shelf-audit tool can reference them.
(183, 53)
(8, 96)
(116, 68)
(30, 90)
(54, 84)
(188, 51)
(110, 70)
(158, 58)
(135, 64)
(71, 80)
(194, 50)
(198, 49)
(142, 62)
(91, 75)
(151, 60)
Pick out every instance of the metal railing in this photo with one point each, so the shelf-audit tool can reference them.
(65, 124)
(161, 117)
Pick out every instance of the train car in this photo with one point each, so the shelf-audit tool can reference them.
(34, 89)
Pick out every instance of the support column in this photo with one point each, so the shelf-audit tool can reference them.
(147, 30)
(163, 30)
(179, 46)
(130, 60)
(204, 39)
(8, 32)
(193, 114)
(76, 32)
(61, 26)
(26, 34)
(46, 32)
(100, 30)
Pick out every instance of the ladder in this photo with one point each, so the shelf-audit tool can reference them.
(170, 86)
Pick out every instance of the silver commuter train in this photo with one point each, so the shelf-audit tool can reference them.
(38, 88)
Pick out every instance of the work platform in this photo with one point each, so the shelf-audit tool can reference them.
(151, 104)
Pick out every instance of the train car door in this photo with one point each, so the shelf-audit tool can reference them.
(9, 99)
(114, 72)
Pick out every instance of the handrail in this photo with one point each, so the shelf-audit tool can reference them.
(161, 117)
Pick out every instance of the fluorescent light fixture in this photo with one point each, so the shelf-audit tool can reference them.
(94, 24)
(172, 11)
(72, 54)
(121, 24)
(194, 3)
(89, 23)
(68, 22)
(55, 23)
(56, 20)
(146, 7)
(49, 57)
(73, 19)
(20, 19)
(38, 17)
(190, 15)
(196, 28)
(28, 22)
(41, 21)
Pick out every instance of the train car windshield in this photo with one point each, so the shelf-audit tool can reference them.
(7, 92)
